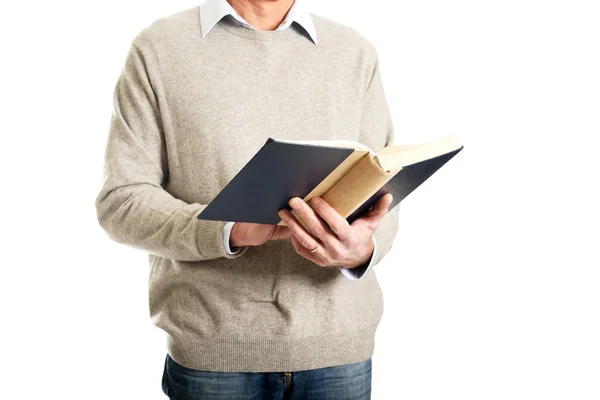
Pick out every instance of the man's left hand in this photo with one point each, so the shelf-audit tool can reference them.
(335, 242)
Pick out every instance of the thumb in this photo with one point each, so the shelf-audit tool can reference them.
(376, 213)
(281, 232)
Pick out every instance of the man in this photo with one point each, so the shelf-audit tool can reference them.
(251, 311)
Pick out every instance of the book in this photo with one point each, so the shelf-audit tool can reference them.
(350, 176)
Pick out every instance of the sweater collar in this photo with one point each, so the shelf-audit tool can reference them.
(212, 11)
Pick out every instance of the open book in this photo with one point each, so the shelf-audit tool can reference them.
(347, 174)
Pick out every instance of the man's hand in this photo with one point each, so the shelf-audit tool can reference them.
(249, 234)
(335, 242)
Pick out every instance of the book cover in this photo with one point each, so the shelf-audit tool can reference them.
(281, 170)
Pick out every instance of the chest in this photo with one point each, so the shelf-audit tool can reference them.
(222, 114)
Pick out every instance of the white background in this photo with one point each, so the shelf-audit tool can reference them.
(491, 290)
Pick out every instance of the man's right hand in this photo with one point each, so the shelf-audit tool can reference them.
(250, 234)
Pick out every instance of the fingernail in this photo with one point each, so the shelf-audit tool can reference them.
(294, 202)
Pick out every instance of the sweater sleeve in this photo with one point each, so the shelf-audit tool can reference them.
(376, 123)
(133, 207)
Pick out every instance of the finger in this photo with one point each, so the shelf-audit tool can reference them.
(314, 224)
(304, 238)
(304, 252)
(336, 223)
(380, 208)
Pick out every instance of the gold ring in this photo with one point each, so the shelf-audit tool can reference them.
(315, 249)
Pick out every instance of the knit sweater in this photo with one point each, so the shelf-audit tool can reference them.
(189, 113)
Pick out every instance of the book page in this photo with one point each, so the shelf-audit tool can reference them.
(395, 157)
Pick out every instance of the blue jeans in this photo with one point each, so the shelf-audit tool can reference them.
(344, 382)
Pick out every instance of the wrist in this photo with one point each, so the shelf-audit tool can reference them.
(234, 242)
(369, 255)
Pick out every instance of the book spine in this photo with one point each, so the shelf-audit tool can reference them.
(359, 183)
(357, 186)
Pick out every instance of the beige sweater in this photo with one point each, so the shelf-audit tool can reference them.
(189, 113)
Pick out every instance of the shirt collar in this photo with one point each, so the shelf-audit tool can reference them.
(212, 11)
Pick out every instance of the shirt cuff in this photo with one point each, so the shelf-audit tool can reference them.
(355, 274)
(226, 235)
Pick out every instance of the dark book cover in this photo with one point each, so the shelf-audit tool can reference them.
(280, 171)
(405, 181)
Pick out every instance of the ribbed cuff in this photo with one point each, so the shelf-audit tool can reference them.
(209, 239)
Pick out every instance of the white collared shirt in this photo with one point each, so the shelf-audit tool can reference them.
(211, 12)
